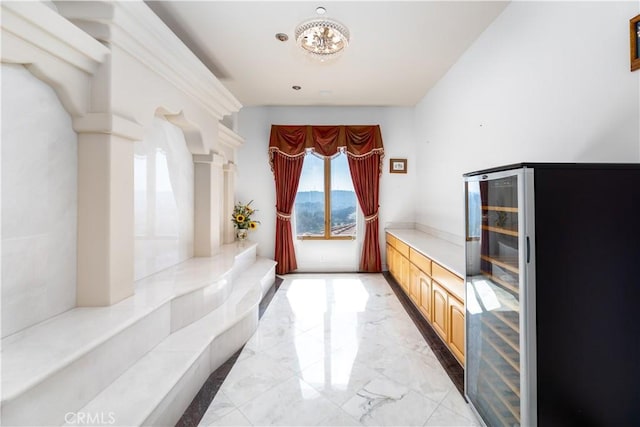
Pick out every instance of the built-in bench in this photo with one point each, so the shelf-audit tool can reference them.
(140, 361)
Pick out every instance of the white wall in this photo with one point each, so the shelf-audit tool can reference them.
(163, 199)
(255, 179)
(39, 204)
(546, 82)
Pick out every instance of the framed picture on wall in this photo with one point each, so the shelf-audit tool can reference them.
(398, 165)
(634, 36)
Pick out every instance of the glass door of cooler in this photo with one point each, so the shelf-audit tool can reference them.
(493, 277)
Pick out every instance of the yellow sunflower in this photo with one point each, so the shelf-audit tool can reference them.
(253, 225)
(240, 218)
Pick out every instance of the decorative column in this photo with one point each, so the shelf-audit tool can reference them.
(208, 192)
(217, 217)
(105, 208)
(230, 142)
(228, 203)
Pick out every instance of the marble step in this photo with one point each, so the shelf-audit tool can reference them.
(75, 355)
(161, 385)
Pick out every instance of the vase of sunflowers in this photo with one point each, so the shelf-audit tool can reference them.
(241, 219)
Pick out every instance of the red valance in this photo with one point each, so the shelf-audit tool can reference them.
(325, 141)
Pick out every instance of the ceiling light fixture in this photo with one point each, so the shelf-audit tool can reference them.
(282, 37)
(322, 38)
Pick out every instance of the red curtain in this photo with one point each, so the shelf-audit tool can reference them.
(287, 175)
(286, 164)
(365, 173)
(363, 146)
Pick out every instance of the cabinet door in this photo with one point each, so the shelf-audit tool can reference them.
(424, 282)
(397, 273)
(455, 319)
(439, 309)
(404, 272)
(391, 260)
(414, 284)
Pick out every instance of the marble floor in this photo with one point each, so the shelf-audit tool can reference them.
(337, 350)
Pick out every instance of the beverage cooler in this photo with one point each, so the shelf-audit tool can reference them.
(553, 294)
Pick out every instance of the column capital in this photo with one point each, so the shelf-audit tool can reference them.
(230, 167)
(108, 123)
(212, 158)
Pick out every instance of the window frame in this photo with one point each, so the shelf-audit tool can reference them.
(327, 207)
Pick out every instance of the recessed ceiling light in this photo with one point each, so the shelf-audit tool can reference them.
(296, 87)
(321, 10)
(282, 37)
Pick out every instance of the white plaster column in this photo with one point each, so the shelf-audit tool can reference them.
(105, 209)
(230, 170)
(218, 218)
(208, 193)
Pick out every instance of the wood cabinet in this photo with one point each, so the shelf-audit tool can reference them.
(425, 295)
(451, 282)
(434, 290)
(421, 261)
(391, 265)
(440, 303)
(455, 320)
(414, 284)
(403, 268)
(398, 265)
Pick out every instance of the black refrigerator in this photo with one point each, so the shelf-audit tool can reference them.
(553, 294)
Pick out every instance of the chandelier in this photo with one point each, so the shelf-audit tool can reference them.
(322, 38)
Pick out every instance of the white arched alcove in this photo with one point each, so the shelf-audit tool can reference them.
(163, 199)
(39, 202)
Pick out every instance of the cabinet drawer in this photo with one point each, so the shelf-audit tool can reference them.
(403, 248)
(391, 240)
(421, 261)
(452, 282)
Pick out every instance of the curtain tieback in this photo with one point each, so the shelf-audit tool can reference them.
(371, 217)
(283, 216)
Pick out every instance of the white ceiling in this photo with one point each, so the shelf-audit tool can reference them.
(398, 50)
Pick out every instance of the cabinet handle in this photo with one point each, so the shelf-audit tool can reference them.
(528, 250)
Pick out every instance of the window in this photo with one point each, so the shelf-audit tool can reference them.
(474, 211)
(325, 206)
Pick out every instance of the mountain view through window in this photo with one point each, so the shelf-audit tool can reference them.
(313, 209)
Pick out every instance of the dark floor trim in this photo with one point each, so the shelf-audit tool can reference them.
(203, 399)
(268, 296)
(448, 361)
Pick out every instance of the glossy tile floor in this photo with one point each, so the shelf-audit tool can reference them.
(337, 350)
